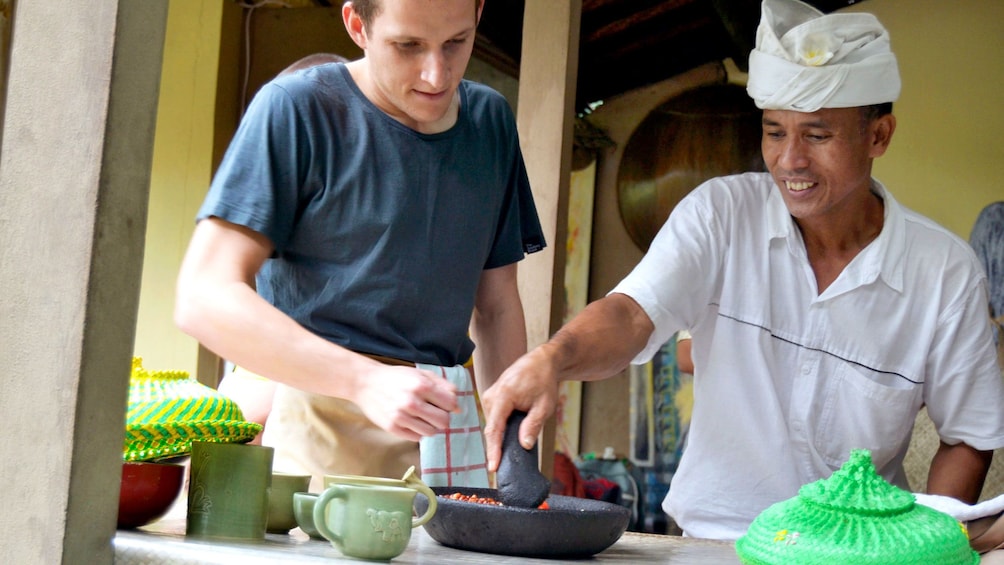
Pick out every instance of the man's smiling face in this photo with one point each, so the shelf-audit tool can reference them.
(821, 161)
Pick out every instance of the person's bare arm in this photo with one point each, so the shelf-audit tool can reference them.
(217, 305)
(958, 471)
(498, 326)
(684, 361)
(598, 343)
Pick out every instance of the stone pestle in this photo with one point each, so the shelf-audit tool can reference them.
(520, 482)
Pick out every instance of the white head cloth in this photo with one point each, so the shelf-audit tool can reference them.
(805, 60)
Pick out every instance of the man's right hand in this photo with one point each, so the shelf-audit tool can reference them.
(529, 385)
(598, 343)
(406, 401)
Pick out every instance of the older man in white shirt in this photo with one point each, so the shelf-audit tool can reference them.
(824, 314)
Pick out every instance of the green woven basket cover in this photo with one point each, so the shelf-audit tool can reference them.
(168, 410)
(854, 517)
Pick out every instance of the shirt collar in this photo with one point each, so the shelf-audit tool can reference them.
(779, 222)
(883, 258)
(889, 248)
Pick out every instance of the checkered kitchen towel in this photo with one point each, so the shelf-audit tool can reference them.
(456, 457)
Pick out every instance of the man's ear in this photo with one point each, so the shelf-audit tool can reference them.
(354, 25)
(881, 130)
(481, 8)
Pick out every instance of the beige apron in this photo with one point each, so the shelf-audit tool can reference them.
(321, 435)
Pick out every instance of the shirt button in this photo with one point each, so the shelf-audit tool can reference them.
(806, 369)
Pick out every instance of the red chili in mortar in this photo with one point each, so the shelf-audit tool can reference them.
(482, 500)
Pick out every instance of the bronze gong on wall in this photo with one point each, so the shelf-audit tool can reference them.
(702, 133)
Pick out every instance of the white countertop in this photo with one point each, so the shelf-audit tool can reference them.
(165, 542)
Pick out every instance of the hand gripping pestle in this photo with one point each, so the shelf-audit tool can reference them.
(520, 482)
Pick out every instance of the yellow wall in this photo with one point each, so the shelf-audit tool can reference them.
(946, 160)
(181, 172)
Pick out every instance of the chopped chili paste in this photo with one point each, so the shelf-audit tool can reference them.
(482, 500)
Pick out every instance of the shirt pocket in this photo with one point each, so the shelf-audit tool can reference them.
(860, 413)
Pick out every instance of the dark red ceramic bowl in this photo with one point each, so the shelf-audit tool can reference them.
(148, 491)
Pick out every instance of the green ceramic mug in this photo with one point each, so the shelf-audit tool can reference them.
(408, 480)
(303, 510)
(228, 490)
(368, 521)
(280, 500)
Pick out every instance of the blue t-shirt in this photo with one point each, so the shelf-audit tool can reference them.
(381, 233)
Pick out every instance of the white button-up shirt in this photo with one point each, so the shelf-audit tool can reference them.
(789, 380)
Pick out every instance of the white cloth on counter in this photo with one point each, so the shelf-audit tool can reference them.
(960, 510)
(456, 456)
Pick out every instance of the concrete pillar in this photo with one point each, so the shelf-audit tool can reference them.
(545, 118)
(74, 178)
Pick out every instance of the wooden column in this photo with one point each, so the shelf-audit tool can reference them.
(74, 176)
(545, 118)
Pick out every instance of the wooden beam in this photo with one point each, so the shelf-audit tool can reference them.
(486, 50)
(740, 20)
(545, 118)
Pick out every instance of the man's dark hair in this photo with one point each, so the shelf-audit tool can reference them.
(874, 112)
(368, 10)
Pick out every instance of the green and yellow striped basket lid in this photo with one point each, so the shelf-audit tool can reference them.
(169, 409)
(854, 517)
